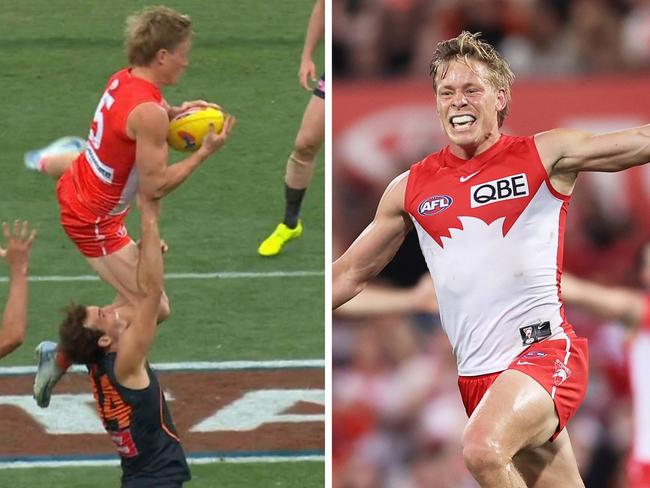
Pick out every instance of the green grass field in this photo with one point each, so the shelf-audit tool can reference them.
(268, 475)
(57, 55)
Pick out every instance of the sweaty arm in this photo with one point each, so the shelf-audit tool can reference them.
(375, 247)
(568, 151)
(137, 339)
(626, 305)
(148, 123)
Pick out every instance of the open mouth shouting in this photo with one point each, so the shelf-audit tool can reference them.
(460, 122)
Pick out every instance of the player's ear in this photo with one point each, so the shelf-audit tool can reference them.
(104, 341)
(161, 55)
(501, 99)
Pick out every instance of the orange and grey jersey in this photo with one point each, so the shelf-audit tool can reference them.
(141, 428)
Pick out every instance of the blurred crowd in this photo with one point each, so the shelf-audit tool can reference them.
(397, 414)
(546, 38)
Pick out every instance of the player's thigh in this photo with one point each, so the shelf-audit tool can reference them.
(119, 269)
(514, 413)
(312, 128)
(550, 465)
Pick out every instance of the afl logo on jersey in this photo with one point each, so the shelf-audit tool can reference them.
(435, 204)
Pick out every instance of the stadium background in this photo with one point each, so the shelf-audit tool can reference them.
(56, 57)
(397, 415)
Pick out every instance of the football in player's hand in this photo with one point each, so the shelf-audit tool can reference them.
(187, 129)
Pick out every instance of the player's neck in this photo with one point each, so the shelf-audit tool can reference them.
(472, 150)
(145, 73)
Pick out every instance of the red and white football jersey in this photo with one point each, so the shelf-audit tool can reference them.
(491, 229)
(104, 176)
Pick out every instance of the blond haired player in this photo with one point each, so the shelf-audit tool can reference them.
(16, 253)
(300, 166)
(490, 211)
(126, 151)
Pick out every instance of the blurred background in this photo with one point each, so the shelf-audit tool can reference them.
(583, 64)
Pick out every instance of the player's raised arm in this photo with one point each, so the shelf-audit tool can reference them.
(136, 340)
(375, 247)
(571, 151)
(149, 124)
(16, 254)
(626, 305)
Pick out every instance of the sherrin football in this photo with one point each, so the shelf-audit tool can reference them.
(187, 129)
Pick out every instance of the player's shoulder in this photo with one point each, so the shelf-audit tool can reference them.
(149, 117)
(427, 165)
(119, 77)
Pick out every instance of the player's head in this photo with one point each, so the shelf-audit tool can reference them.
(470, 78)
(159, 38)
(86, 333)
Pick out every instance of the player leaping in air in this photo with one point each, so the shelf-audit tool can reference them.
(126, 151)
(129, 397)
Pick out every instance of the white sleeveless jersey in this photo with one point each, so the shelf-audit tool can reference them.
(491, 230)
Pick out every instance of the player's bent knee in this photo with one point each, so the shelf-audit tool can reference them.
(483, 457)
(483, 453)
(306, 147)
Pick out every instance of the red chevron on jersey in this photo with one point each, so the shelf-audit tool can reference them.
(491, 229)
(481, 187)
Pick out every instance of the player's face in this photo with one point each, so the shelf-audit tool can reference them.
(105, 319)
(176, 62)
(468, 104)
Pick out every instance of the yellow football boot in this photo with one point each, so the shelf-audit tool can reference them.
(282, 234)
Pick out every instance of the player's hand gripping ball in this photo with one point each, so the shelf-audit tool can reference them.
(187, 129)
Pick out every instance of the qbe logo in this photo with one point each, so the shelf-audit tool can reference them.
(515, 186)
(435, 204)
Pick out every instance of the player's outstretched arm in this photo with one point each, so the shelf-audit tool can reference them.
(380, 300)
(626, 305)
(16, 254)
(149, 124)
(137, 339)
(571, 151)
(315, 31)
(375, 247)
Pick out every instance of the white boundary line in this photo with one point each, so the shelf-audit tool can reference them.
(186, 276)
(71, 463)
(194, 366)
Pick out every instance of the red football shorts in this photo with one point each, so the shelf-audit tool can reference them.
(560, 366)
(94, 236)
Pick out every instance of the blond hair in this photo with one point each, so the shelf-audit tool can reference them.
(153, 29)
(466, 47)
